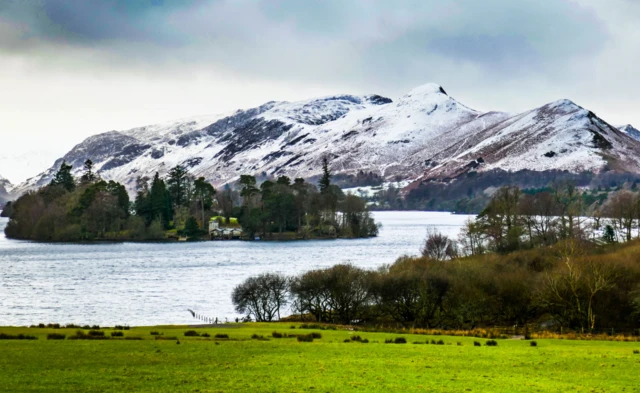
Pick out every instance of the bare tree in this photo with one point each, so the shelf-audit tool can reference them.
(262, 296)
(438, 246)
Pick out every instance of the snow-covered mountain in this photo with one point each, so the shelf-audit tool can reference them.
(557, 136)
(5, 189)
(631, 131)
(424, 131)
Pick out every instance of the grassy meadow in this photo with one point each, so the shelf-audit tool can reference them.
(327, 364)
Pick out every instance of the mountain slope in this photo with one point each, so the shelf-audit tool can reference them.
(425, 133)
(557, 136)
(368, 133)
(631, 131)
(5, 189)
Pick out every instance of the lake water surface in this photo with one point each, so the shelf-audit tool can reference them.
(148, 284)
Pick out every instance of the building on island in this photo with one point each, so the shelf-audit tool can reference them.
(222, 229)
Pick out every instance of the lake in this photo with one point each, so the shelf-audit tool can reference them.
(155, 283)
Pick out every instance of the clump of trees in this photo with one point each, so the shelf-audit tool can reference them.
(278, 206)
(89, 208)
(570, 285)
(515, 220)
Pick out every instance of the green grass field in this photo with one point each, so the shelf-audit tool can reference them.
(325, 365)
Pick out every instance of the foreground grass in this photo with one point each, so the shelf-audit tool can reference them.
(328, 364)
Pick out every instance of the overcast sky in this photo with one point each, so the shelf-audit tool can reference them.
(73, 68)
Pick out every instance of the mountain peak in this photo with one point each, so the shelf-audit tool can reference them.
(426, 89)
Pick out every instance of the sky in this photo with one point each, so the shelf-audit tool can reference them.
(73, 68)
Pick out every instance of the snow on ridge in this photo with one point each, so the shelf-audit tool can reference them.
(424, 130)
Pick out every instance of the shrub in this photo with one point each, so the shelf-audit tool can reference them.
(166, 337)
(491, 343)
(293, 326)
(41, 325)
(476, 344)
(636, 351)
(133, 338)
(117, 334)
(86, 327)
(258, 337)
(191, 333)
(219, 335)
(440, 342)
(20, 336)
(205, 335)
(56, 336)
(388, 341)
(307, 338)
(400, 340)
(95, 327)
(120, 327)
(276, 335)
(316, 335)
(154, 333)
(71, 326)
(533, 343)
(433, 342)
(365, 341)
(356, 338)
(418, 342)
(459, 344)
(346, 340)
(93, 335)
(53, 326)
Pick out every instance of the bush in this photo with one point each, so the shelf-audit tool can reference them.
(56, 336)
(219, 335)
(400, 340)
(440, 342)
(205, 335)
(20, 336)
(491, 343)
(433, 341)
(191, 333)
(533, 344)
(154, 333)
(117, 334)
(316, 335)
(459, 344)
(346, 340)
(257, 337)
(476, 344)
(276, 335)
(53, 326)
(71, 326)
(307, 338)
(388, 341)
(120, 327)
(133, 338)
(166, 337)
(95, 327)
(356, 338)
(636, 351)
(93, 335)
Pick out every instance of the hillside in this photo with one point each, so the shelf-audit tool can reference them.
(5, 189)
(425, 134)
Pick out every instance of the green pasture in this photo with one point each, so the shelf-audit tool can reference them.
(245, 364)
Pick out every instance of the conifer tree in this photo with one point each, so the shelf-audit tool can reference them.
(88, 176)
(64, 177)
(325, 180)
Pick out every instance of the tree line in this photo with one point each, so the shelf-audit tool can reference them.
(89, 208)
(571, 285)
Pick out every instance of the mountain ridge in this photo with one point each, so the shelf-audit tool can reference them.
(424, 134)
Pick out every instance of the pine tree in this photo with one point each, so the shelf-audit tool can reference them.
(88, 176)
(177, 185)
(325, 180)
(204, 192)
(64, 177)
